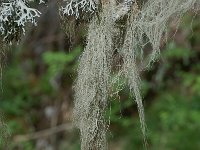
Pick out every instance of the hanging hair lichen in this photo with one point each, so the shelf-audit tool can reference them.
(91, 87)
(145, 25)
(151, 23)
(130, 68)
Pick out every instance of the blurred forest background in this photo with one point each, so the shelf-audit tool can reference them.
(37, 97)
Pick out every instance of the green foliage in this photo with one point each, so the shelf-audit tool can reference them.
(174, 52)
(25, 92)
(59, 61)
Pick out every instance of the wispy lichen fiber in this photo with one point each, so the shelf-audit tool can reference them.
(151, 22)
(146, 26)
(91, 87)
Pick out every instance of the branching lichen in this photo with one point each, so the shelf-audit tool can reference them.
(14, 15)
(73, 7)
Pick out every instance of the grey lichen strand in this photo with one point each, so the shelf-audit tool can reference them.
(91, 88)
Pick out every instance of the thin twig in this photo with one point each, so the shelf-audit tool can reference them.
(43, 133)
